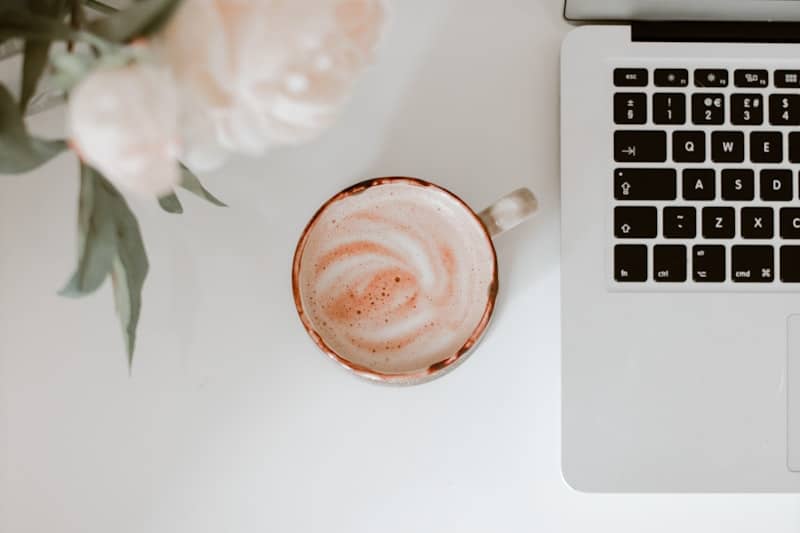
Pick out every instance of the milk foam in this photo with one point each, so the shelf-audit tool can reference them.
(396, 278)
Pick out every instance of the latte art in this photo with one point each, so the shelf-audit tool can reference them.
(397, 277)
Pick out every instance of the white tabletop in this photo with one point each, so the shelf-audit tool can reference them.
(232, 421)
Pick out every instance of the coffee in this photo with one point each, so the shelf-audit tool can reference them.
(397, 277)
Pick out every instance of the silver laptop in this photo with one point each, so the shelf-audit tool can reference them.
(681, 246)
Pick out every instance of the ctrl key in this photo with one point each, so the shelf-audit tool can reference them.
(630, 262)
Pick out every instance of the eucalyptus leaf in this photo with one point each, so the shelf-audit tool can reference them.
(34, 63)
(19, 152)
(191, 183)
(97, 239)
(27, 25)
(140, 19)
(171, 204)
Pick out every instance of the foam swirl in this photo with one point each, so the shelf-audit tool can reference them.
(397, 277)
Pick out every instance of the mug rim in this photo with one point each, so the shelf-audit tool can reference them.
(412, 377)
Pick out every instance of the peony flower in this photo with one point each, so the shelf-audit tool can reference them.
(256, 73)
(123, 122)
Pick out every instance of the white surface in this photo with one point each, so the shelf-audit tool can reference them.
(232, 421)
(682, 388)
(767, 10)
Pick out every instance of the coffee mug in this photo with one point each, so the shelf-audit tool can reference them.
(396, 278)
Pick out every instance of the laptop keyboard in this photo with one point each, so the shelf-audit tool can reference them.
(705, 186)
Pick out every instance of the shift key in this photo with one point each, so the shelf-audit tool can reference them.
(645, 184)
(640, 146)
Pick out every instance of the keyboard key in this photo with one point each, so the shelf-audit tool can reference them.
(766, 147)
(710, 77)
(790, 264)
(699, 184)
(776, 185)
(751, 78)
(643, 146)
(630, 262)
(669, 108)
(635, 222)
(708, 108)
(738, 184)
(727, 146)
(708, 263)
(630, 108)
(790, 222)
(671, 77)
(669, 262)
(794, 147)
(679, 223)
(787, 78)
(754, 264)
(630, 77)
(719, 222)
(747, 109)
(645, 184)
(784, 109)
(757, 223)
(688, 146)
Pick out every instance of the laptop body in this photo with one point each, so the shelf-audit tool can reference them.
(680, 160)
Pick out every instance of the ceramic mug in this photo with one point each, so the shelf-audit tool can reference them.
(396, 278)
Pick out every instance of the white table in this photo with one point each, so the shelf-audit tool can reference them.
(232, 421)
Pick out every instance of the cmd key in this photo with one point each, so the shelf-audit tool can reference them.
(640, 146)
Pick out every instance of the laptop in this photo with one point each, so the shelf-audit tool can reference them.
(680, 169)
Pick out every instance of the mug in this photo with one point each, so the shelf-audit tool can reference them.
(396, 278)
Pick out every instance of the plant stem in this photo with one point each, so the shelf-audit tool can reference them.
(100, 6)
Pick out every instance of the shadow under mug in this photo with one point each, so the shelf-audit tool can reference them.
(504, 214)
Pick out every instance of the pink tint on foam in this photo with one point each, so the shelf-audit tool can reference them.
(396, 278)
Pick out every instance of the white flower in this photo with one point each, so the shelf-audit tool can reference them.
(123, 121)
(255, 73)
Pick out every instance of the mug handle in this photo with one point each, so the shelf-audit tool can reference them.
(509, 211)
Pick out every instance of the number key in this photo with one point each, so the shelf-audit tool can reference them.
(669, 108)
(784, 109)
(630, 108)
(708, 108)
(747, 109)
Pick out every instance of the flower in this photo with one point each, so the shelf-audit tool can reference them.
(123, 121)
(256, 73)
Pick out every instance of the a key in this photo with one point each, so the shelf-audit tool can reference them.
(727, 146)
(708, 263)
(757, 222)
(669, 262)
(669, 108)
(640, 146)
(738, 184)
(766, 147)
(708, 108)
(751, 78)
(794, 147)
(630, 108)
(790, 264)
(787, 78)
(719, 222)
(630, 262)
(635, 222)
(776, 185)
(630, 77)
(645, 184)
(699, 184)
(784, 109)
(671, 77)
(679, 223)
(747, 109)
(688, 146)
(710, 77)
(790, 222)
(752, 264)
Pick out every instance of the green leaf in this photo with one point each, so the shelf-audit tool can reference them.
(97, 240)
(171, 204)
(142, 18)
(17, 23)
(19, 152)
(190, 182)
(36, 51)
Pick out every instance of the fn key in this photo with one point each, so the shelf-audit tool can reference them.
(630, 262)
